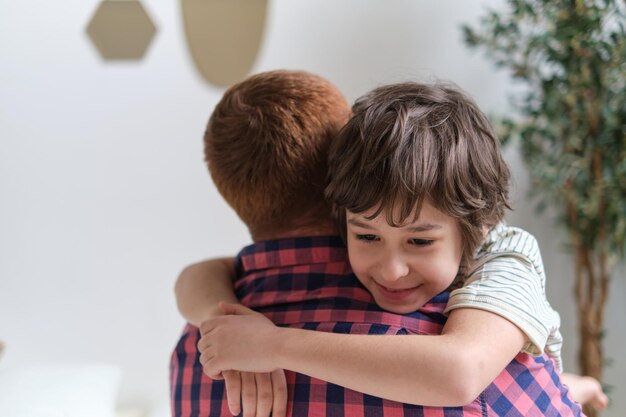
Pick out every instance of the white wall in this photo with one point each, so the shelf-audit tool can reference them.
(104, 196)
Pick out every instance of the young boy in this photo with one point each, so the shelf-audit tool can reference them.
(418, 179)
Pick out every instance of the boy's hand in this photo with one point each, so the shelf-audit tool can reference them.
(243, 340)
(230, 342)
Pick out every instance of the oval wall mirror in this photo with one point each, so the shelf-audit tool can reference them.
(224, 37)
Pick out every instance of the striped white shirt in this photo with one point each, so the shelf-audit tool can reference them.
(508, 279)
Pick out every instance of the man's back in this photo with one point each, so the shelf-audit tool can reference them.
(306, 283)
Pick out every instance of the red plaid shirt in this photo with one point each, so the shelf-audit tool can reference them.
(306, 283)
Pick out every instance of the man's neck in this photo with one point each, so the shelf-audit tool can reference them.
(328, 229)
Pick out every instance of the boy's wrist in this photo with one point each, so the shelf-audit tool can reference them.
(281, 339)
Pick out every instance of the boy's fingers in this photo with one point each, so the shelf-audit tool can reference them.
(207, 326)
(232, 381)
(209, 371)
(279, 389)
(210, 368)
(264, 395)
(203, 343)
(248, 394)
(204, 359)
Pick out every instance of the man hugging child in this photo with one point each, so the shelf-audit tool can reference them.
(420, 189)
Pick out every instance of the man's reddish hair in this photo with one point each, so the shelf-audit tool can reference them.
(266, 145)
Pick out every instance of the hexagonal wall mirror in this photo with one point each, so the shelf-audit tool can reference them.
(121, 30)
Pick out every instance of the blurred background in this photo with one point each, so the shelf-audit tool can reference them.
(104, 195)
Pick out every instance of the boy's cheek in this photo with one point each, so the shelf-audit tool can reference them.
(442, 275)
(358, 260)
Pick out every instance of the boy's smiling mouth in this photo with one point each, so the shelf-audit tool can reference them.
(395, 293)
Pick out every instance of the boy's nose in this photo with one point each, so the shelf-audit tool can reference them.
(393, 268)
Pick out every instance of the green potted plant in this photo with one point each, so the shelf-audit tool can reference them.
(571, 129)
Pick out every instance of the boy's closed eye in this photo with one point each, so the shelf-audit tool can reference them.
(421, 242)
(367, 237)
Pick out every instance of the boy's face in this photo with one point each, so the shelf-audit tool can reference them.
(404, 267)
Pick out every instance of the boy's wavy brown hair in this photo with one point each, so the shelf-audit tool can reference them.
(266, 145)
(407, 143)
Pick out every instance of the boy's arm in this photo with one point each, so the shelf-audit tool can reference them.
(450, 369)
(201, 286)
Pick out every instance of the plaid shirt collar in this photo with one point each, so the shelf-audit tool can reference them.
(281, 253)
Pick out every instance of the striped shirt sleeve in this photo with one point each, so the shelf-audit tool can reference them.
(509, 280)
